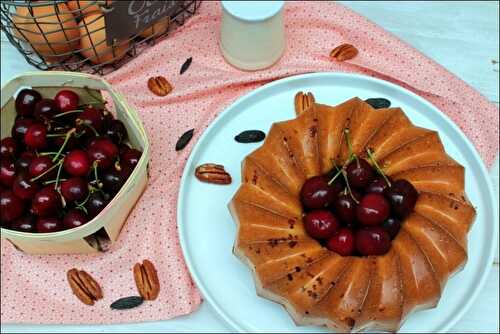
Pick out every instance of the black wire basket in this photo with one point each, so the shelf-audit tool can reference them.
(74, 36)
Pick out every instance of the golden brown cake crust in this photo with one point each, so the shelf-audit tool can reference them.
(317, 286)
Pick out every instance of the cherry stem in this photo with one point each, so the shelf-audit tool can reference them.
(47, 171)
(377, 167)
(91, 103)
(80, 122)
(96, 177)
(50, 135)
(117, 164)
(68, 135)
(335, 176)
(56, 186)
(68, 112)
(348, 186)
(49, 153)
(53, 181)
(81, 205)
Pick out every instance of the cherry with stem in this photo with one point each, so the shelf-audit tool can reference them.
(377, 167)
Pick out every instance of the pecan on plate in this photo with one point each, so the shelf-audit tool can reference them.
(84, 287)
(146, 280)
(159, 86)
(212, 173)
(344, 52)
(303, 101)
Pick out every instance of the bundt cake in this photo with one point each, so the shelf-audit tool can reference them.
(316, 285)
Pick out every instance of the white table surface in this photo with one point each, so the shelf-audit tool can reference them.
(462, 36)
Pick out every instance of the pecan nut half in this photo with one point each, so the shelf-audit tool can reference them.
(159, 86)
(303, 101)
(344, 52)
(212, 173)
(146, 280)
(84, 287)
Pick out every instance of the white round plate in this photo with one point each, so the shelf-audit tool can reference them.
(207, 231)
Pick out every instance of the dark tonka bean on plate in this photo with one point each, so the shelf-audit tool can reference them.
(250, 136)
(378, 103)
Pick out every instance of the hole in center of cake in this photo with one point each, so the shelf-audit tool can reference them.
(356, 209)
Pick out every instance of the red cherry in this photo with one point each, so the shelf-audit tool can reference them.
(315, 193)
(24, 188)
(36, 136)
(66, 100)
(92, 117)
(95, 204)
(77, 163)
(320, 224)
(342, 242)
(372, 240)
(103, 150)
(402, 197)
(39, 165)
(378, 185)
(74, 189)
(359, 173)
(392, 226)
(24, 224)
(8, 147)
(112, 181)
(26, 100)
(45, 109)
(345, 207)
(48, 225)
(373, 209)
(46, 202)
(7, 172)
(23, 163)
(116, 130)
(131, 157)
(11, 206)
(75, 218)
(20, 127)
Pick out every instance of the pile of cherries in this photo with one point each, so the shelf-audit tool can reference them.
(356, 209)
(63, 164)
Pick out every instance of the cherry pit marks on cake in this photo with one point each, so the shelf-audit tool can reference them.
(355, 209)
(64, 162)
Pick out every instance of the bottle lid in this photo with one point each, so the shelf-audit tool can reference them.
(253, 10)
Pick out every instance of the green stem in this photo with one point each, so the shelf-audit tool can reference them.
(349, 187)
(68, 112)
(377, 167)
(50, 135)
(58, 176)
(349, 145)
(53, 181)
(47, 171)
(81, 205)
(96, 177)
(335, 176)
(68, 135)
(80, 122)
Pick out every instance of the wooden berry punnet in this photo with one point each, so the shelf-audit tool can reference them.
(109, 222)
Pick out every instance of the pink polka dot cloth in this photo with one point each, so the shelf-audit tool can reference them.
(34, 288)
